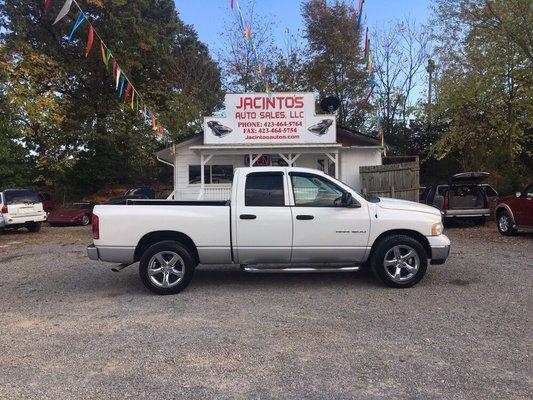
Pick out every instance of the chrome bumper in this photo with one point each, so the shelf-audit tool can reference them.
(92, 252)
(118, 254)
(440, 249)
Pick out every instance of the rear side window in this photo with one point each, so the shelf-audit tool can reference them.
(442, 190)
(264, 190)
(21, 197)
(490, 191)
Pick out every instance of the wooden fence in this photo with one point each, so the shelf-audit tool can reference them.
(399, 181)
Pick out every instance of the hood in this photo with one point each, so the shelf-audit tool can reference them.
(404, 205)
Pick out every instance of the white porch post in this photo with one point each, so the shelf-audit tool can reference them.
(203, 161)
(334, 157)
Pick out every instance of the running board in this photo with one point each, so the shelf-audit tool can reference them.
(299, 270)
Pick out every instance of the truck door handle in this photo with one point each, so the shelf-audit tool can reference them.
(248, 216)
(305, 217)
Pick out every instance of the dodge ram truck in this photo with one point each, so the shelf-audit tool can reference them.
(279, 219)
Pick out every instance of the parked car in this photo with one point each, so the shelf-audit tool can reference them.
(74, 214)
(134, 194)
(515, 212)
(463, 197)
(47, 200)
(276, 215)
(22, 208)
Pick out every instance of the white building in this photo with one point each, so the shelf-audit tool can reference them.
(264, 130)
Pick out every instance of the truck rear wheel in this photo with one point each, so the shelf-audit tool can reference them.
(166, 267)
(399, 261)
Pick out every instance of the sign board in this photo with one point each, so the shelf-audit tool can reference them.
(274, 118)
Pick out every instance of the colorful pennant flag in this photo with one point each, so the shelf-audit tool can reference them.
(360, 14)
(46, 6)
(127, 93)
(367, 44)
(122, 85)
(117, 77)
(63, 12)
(76, 25)
(90, 41)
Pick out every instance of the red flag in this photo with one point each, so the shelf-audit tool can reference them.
(90, 41)
(114, 68)
(46, 5)
(128, 90)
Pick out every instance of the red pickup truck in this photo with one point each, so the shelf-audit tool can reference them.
(515, 212)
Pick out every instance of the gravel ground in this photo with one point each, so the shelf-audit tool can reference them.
(71, 328)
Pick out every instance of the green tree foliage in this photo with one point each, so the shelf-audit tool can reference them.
(63, 106)
(485, 86)
(334, 59)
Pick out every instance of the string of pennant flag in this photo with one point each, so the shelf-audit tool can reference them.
(370, 70)
(123, 85)
(247, 31)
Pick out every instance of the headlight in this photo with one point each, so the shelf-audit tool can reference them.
(437, 229)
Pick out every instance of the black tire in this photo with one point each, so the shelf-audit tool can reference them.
(34, 227)
(382, 250)
(86, 220)
(188, 267)
(480, 221)
(505, 223)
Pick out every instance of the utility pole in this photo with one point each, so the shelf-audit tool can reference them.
(430, 69)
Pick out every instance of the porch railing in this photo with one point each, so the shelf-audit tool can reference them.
(210, 193)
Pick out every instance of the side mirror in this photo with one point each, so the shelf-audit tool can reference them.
(518, 194)
(348, 201)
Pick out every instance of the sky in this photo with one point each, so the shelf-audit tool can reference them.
(208, 16)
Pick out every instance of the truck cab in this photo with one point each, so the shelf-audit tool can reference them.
(279, 219)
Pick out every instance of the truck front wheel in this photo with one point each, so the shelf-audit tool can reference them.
(399, 261)
(166, 267)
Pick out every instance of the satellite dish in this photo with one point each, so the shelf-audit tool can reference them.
(330, 104)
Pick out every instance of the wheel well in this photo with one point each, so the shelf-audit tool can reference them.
(407, 232)
(155, 237)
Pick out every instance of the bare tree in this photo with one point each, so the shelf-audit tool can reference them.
(239, 64)
(400, 55)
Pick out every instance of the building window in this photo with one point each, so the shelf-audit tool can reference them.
(213, 174)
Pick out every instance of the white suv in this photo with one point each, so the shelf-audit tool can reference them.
(21, 208)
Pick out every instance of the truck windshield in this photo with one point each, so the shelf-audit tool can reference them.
(368, 197)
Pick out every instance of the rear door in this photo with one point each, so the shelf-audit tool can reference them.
(324, 230)
(263, 219)
(524, 208)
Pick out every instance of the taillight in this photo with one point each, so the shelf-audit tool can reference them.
(4, 209)
(96, 227)
(486, 201)
(446, 203)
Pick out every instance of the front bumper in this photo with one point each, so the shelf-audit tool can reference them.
(440, 249)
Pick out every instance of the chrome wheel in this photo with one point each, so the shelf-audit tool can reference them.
(85, 220)
(166, 269)
(503, 223)
(401, 263)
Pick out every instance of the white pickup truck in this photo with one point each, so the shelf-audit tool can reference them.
(278, 220)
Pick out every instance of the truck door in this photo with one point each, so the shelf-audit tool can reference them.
(324, 230)
(263, 219)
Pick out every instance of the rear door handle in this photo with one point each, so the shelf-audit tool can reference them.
(305, 217)
(248, 216)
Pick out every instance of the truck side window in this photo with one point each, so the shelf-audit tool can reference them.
(264, 189)
(314, 191)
